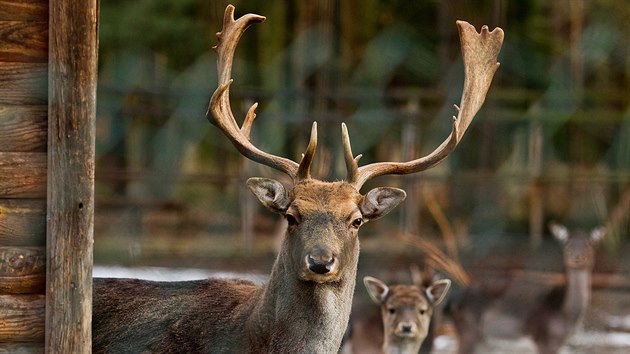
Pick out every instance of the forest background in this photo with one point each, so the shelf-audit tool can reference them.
(552, 141)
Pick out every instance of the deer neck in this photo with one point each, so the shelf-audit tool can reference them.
(302, 315)
(578, 293)
(395, 345)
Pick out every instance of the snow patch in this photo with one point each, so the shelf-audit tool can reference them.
(170, 274)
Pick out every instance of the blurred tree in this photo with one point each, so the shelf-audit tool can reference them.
(558, 105)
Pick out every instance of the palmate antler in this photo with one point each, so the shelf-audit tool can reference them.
(222, 116)
(480, 51)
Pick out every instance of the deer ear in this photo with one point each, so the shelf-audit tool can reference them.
(380, 201)
(598, 234)
(376, 288)
(270, 192)
(437, 291)
(559, 232)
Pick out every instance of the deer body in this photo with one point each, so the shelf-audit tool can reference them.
(305, 305)
(218, 316)
(135, 316)
(553, 321)
(303, 308)
(549, 318)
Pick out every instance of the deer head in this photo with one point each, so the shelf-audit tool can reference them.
(323, 221)
(578, 246)
(324, 217)
(406, 309)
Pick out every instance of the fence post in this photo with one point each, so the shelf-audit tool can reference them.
(72, 73)
(410, 214)
(536, 203)
(247, 206)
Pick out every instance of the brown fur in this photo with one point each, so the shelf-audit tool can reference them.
(296, 311)
(406, 312)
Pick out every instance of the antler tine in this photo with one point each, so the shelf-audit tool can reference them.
(352, 163)
(222, 115)
(304, 170)
(480, 52)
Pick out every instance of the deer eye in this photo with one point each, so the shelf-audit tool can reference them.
(422, 311)
(357, 222)
(391, 310)
(291, 219)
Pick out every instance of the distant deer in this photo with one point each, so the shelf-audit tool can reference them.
(551, 319)
(305, 306)
(406, 312)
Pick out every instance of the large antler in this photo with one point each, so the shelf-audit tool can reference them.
(480, 51)
(222, 116)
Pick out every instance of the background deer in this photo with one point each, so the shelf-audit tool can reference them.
(406, 312)
(366, 332)
(550, 318)
(306, 303)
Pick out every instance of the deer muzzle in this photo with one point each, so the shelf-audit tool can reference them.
(406, 329)
(321, 264)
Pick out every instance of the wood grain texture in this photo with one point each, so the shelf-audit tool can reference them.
(23, 83)
(23, 222)
(22, 318)
(24, 42)
(70, 212)
(22, 270)
(23, 175)
(26, 284)
(24, 10)
(23, 128)
(22, 261)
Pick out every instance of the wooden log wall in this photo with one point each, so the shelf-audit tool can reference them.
(23, 161)
(48, 61)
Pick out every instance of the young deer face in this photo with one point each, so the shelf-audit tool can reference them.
(323, 218)
(406, 309)
(578, 246)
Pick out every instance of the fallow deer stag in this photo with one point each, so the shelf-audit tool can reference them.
(305, 306)
(550, 318)
(406, 312)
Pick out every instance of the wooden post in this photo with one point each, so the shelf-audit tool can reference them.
(247, 206)
(409, 215)
(536, 200)
(72, 73)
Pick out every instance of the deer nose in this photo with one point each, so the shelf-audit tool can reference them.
(406, 328)
(320, 264)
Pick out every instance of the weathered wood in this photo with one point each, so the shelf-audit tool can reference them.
(23, 83)
(24, 10)
(71, 133)
(22, 261)
(22, 270)
(24, 42)
(23, 222)
(22, 175)
(26, 284)
(23, 128)
(22, 318)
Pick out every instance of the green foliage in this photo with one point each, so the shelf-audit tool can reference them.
(172, 28)
(347, 60)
